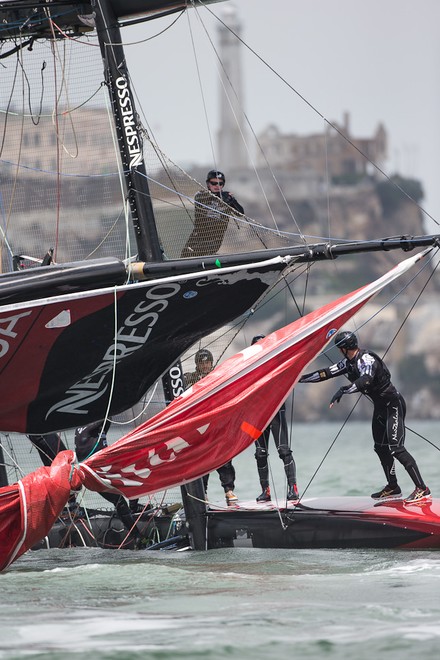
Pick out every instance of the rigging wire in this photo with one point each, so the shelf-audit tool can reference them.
(107, 235)
(419, 435)
(145, 407)
(266, 298)
(55, 114)
(8, 106)
(25, 77)
(163, 158)
(237, 220)
(205, 110)
(58, 168)
(62, 114)
(12, 456)
(327, 181)
(113, 372)
(320, 464)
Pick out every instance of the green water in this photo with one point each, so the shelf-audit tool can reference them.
(239, 603)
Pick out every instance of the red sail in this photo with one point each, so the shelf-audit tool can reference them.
(29, 508)
(208, 425)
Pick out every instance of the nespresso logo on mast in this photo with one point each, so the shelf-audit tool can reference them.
(128, 123)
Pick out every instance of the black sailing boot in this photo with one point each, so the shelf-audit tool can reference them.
(292, 493)
(265, 495)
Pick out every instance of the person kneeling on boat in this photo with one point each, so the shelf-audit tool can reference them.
(278, 426)
(90, 439)
(369, 375)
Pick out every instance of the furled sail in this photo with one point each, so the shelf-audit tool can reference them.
(209, 424)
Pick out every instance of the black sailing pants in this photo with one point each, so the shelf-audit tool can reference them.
(388, 427)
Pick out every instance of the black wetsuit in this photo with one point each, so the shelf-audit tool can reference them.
(278, 426)
(369, 375)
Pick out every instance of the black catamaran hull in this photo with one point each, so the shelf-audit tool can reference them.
(334, 522)
(338, 522)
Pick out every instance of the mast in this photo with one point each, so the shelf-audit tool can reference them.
(129, 138)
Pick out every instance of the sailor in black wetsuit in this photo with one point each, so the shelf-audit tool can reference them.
(369, 375)
(278, 426)
(90, 439)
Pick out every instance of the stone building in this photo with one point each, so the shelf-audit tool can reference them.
(334, 154)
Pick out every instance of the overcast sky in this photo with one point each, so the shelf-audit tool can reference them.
(379, 60)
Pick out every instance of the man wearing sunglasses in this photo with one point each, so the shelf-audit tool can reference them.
(213, 209)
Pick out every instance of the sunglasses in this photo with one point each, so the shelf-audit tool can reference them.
(216, 183)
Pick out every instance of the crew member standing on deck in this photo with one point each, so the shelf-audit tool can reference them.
(204, 364)
(278, 426)
(212, 212)
(369, 375)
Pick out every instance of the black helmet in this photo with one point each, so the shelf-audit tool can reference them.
(257, 338)
(346, 340)
(215, 174)
(203, 356)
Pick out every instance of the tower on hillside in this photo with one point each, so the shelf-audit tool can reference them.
(231, 148)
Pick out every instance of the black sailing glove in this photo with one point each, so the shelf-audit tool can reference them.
(338, 395)
(231, 201)
(315, 376)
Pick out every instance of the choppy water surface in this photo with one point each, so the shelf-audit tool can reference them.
(234, 603)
